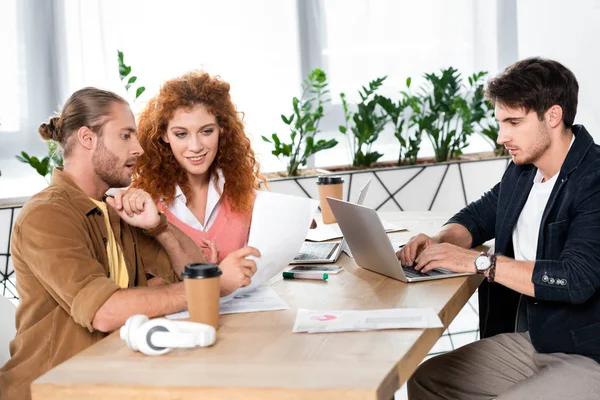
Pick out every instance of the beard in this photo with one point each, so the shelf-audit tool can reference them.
(110, 168)
(539, 147)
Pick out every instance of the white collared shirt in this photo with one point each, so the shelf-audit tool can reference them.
(213, 202)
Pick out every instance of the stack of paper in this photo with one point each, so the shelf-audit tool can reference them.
(352, 320)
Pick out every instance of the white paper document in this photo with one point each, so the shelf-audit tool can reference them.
(279, 225)
(325, 232)
(261, 299)
(352, 320)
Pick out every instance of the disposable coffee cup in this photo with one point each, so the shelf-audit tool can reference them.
(329, 186)
(202, 291)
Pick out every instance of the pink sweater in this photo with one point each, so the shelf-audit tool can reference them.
(229, 230)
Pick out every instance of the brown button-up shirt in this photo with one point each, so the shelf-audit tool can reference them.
(59, 255)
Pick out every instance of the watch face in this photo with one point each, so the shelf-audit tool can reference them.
(482, 262)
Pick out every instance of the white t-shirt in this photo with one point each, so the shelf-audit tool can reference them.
(526, 232)
(213, 202)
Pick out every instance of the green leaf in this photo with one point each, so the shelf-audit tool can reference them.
(25, 156)
(276, 139)
(408, 81)
(265, 139)
(309, 142)
(286, 149)
(132, 80)
(139, 91)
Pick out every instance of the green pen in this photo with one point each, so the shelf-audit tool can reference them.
(306, 275)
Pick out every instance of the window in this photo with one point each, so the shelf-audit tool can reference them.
(368, 39)
(252, 45)
(9, 70)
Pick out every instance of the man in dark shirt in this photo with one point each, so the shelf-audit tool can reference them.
(543, 280)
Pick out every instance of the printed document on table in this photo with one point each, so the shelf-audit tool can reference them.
(352, 320)
(325, 232)
(261, 299)
(279, 225)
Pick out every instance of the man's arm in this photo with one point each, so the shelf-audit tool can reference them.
(479, 218)
(151, 301)
(472, 226)
(51, 241)
(180, 248)
(515, 275)
(455, 234)
(137, 208)
(154, 300)
(572, 277)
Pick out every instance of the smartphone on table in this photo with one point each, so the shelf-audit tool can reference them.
(330, 269)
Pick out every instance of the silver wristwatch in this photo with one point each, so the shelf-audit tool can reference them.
(483, 262)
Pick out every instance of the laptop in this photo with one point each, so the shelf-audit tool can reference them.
(371, 246)
(326, 252)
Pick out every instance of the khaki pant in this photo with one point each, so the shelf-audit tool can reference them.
(505, 367)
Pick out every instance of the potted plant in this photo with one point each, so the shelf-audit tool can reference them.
(447, 111)
(304, 124)
(363, 126)
(399, 113)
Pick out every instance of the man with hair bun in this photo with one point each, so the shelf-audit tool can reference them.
(85, 262)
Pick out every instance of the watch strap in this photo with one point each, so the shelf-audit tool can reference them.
(492, 270)
(162, 226)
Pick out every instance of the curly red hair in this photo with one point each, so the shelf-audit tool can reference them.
(158, 172)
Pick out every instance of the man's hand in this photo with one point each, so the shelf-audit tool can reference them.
(448, 256)
(135, 207)
(413, 248)
(237, 270)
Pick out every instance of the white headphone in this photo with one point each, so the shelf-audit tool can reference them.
(159, 336)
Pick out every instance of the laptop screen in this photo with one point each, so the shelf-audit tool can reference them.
(360, 200)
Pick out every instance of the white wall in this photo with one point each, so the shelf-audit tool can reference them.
(363, 39)
(567, 31)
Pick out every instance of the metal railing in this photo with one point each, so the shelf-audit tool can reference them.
(8, 284)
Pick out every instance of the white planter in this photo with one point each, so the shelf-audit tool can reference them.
(435, 187)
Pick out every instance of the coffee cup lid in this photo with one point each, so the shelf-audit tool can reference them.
(329, 180)
(200, 270)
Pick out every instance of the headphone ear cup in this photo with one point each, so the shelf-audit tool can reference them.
(132, 325)
(204, 335)
(145, 339)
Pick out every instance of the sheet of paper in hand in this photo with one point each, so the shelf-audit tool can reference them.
(279, 225)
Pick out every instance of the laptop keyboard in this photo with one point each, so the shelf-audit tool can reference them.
(413, 273)
(315, 251)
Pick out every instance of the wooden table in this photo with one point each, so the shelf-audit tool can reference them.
(258, 357)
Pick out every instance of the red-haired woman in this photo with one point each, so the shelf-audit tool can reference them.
(198, 164)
